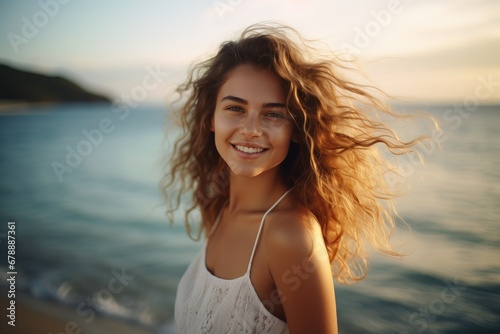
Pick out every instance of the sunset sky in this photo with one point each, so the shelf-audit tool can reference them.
(427, 51)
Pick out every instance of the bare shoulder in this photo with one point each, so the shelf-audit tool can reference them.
(299, 264)
(293, 231)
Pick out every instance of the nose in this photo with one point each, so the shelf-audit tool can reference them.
(251, 126)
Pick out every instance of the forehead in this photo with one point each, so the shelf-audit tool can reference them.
(253, 85)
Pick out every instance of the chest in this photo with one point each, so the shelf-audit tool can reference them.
(230, 247)
(229, 255)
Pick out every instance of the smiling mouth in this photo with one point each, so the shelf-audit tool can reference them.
(250, 150)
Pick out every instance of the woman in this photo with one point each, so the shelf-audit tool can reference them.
(281, 160)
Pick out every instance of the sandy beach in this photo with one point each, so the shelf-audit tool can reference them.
(40, 316)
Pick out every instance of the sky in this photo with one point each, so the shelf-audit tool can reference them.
(427, 51)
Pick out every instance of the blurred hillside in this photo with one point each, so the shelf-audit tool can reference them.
(23, 86)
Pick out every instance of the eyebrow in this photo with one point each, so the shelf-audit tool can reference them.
(245, 102)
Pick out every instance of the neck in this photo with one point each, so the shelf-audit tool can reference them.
(258, 193)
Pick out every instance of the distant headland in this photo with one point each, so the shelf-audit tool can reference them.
(23, 87)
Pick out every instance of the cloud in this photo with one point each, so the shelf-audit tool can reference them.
(468, 54)
(438, 25)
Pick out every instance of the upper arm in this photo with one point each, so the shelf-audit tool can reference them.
(301, 270)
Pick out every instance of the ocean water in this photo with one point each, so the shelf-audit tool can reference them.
(91, 231)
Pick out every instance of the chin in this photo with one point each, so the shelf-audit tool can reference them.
(245, 172)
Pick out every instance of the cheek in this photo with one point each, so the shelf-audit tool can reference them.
(283, 136)
(217, 124)
(224, 125)
(222, 132)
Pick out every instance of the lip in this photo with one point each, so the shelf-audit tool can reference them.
(250, 145)
(248, 156)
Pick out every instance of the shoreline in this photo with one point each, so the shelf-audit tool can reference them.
(35, 315)
(19, 108)
(25, 107)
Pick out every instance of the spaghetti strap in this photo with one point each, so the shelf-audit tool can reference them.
(260, 228)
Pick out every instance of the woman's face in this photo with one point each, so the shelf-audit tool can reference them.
(251, 124)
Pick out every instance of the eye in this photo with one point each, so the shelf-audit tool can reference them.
(274, 114)
(234, 108)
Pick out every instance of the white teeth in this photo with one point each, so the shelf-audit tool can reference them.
(249, 149)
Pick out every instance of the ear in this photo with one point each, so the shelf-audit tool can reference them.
(295, 137)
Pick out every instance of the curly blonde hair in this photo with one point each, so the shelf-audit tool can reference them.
(335, 168)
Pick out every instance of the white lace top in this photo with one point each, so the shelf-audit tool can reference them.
(208, 304)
